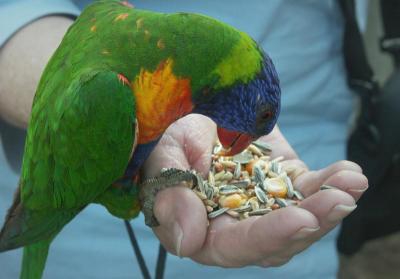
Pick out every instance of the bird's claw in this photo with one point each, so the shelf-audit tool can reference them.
(168, 178)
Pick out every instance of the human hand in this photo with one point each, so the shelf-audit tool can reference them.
(269, 240)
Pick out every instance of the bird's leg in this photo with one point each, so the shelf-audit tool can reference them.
(121, 198)
(168, 178)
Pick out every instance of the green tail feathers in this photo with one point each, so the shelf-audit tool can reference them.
(34, 229)
(34, 259)
(25, 226)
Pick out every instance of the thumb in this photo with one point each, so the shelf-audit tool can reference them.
(183, 221)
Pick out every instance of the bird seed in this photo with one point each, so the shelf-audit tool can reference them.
(250, 183)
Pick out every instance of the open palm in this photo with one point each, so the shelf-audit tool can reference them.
(269, 240)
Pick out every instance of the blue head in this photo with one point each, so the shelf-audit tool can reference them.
(245, 111)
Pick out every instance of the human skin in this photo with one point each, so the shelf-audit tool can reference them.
(269, 240)
(188, 144)
(22, 60)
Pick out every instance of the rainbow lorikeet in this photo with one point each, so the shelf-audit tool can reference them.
(118, 79)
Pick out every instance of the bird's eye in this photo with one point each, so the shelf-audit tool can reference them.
(267, 115)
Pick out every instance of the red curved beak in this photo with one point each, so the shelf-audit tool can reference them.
(233, 142)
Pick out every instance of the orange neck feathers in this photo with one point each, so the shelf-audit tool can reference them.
(161, 98)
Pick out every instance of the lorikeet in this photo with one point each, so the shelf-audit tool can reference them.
(118, 79)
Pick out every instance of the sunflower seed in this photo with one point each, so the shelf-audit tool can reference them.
(218, 212)
(262, 197)
(229, 189)
(259, 175)
(290, 189)
(238, 171)
(261, 211)
(243, 208)
(265, 185)
(276, 167)
(263, 146)
(298, 195)
(326, 187)
(291, 202)
(241, 183)
(210, 192)
(200, 184)
(243, 157)
(281, 202)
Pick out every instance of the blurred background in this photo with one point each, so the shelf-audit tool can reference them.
(379, 258)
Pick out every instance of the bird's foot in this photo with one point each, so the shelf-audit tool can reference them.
(168, 178)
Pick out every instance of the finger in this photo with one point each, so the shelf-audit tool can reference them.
(199, 137)
(354, 183)
(232, 243)
(167, 154)
(330, 207)
(187, 143)
(310, 182)
(183, 221)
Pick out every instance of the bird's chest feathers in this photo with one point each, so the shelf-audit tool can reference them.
(161, 98)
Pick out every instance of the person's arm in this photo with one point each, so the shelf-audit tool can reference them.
(30, 31)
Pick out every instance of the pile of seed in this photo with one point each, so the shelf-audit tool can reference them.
(247, 184)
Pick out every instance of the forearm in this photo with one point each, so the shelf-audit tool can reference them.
(22, 60)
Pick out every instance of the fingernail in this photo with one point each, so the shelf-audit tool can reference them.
(178, 233)
(360, 190)
(339, 212)
(304, 233)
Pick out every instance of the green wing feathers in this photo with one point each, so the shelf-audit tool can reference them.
(75, 149)
(79, 146)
